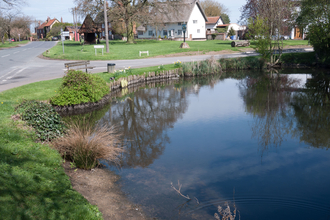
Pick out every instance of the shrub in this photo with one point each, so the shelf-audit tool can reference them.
(43, 118)
(85, 146)
(214, 36)
(79, 87)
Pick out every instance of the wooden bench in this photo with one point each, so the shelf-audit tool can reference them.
(147, 52)
(77, 64)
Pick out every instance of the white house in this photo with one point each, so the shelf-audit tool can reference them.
(169, 22)
(239, 29)
(213, 22)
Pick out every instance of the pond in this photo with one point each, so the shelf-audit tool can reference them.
(255, 141)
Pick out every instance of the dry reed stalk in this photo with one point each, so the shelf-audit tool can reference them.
(86, 145)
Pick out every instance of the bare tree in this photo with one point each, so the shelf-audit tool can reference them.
(9, 4)
(213, 8)
(267, 21)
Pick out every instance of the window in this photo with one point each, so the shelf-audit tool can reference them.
(164, 32)
(109, 24)
(195, 21)
(180, 32)
(198, 31)
(140, 32)
(102, 25)
(179, 23)
(150, 33)
(103, 33)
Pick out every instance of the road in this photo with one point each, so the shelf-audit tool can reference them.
(21, 65)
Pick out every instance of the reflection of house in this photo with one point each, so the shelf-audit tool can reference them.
(239, 29)
(72, 30)
(169, 23)
(45, 27)
(89, 29)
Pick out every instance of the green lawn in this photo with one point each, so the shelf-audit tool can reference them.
(120, 50)
(12, 44)
(33, 184)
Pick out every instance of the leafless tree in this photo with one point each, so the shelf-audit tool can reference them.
(274, 15)
(9, 4)
(213, 8)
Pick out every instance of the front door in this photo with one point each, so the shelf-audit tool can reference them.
(298, 33)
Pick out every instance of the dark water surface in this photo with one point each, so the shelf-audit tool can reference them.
(259, 143)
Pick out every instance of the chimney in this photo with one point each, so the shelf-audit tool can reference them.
(48, 18)
(61, 20)
(39, 23)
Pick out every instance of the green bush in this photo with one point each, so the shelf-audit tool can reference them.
(79, 87)
(43, 118)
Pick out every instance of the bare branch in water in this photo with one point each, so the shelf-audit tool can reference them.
(179, 190)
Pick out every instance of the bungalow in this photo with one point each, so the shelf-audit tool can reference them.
(45, 27)
(168, 22)
(212, 24)
(239, 29)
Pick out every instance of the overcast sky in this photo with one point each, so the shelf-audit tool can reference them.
(40, 9)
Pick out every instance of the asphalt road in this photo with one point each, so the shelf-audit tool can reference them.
(21, 65)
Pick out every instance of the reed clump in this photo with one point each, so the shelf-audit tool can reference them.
(205, 67)
(86, 145)
(242, 63)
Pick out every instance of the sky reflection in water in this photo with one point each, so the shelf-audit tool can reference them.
(248, 139)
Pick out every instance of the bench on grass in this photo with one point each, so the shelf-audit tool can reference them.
(79, 64)
(147, 52)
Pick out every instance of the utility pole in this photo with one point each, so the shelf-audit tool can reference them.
(106, 27)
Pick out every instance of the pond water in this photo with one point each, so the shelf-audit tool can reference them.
(257, 141)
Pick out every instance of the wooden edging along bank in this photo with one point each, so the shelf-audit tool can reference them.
(117, 85)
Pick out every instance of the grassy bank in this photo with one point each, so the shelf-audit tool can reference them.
(33, 184)
(120, 50)
(12, 44)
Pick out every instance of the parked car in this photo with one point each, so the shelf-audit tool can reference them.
(12, 39)
(54, 38)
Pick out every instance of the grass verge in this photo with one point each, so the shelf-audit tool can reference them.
(120, 50)
(12, 44)
(33, 184)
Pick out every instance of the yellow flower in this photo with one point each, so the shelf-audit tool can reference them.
(55, 91)
(1, 102)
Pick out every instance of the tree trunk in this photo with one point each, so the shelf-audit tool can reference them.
(130, 34)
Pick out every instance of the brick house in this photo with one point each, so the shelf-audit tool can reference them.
(45, 27)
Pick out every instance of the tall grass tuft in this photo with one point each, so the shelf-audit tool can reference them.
(242, 63)
(209, 66)
(86, 145)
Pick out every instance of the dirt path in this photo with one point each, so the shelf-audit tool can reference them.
(99, 186)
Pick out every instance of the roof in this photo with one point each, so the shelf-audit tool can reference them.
(180, 12)
(47, 23)
(71, 28)
(88, 26)
(213, 20)
(141, 28)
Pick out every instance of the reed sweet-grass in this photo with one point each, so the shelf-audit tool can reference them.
(86, 145)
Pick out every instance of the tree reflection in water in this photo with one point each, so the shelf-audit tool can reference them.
(312, 111)
(143, 120)
(146, 115)
(267, 97)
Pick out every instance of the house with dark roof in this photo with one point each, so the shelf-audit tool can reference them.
(167, 22)
(45, 27)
